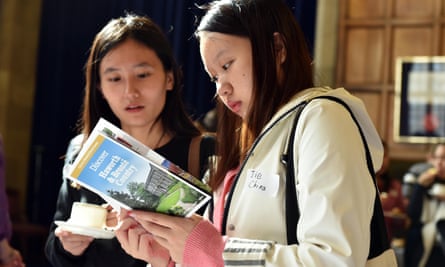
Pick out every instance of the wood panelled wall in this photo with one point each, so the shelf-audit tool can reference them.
(371, 35)
(19, 31)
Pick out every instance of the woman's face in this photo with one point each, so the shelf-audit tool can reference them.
(438, 161)
(228, 60)
(134, 83)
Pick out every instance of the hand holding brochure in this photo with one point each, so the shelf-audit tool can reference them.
(128, 174)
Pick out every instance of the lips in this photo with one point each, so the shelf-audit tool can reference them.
(235, 106)
(134, 108)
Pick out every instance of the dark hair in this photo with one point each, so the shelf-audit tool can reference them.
(145, 31)
(257, 20)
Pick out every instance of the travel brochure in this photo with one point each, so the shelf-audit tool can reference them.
(128, 174)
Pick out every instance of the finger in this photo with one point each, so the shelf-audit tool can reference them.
(107, 206)
(122, 237)
(75, 246)
(60, 232)
(122, 213)
(121, 230)
(76, 242)
(112, 219)
(155, 217)
(155, 229)
(162, 241)
(73, 238)
(145, 242)
(144, 247)
(134, 236)
(130, 239)
(149, 245)
(112, 215)
(125, 224)
(162, 219)
(166, 223)
(83, 238)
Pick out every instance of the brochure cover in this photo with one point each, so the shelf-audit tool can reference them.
(128, 174)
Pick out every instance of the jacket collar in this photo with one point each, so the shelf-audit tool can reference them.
(295, 100)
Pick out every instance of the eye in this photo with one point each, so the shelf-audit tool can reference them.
(226, 66)
(114, 79)
(214, 79)
(143, 75)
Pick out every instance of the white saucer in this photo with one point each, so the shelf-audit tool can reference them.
(85, 230)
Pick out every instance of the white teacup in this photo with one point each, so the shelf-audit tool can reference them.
(88, 215)
(438, 190)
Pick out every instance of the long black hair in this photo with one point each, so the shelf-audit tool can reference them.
(258, 20)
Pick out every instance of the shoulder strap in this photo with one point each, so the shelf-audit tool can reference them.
(292, 210)
(379, 238)
(194, 156)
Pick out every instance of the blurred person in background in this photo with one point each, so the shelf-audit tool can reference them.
(425, 239)
(9, 257)
(393, 202)
(410, 177)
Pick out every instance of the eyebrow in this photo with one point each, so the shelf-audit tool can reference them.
(216, 58)
(220, 54)
(142, 64)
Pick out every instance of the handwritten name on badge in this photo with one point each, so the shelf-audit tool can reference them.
(262, 182)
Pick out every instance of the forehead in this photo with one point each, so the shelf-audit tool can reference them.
(211, 43)
(215, 47)
(129, 49)
(130, 54)
(216, 40)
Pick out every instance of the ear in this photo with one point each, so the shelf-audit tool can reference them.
(99, 89)
(280, 48)
(169, 81)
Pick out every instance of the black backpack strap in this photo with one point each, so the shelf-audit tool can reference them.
(379, 237)
(292, 210)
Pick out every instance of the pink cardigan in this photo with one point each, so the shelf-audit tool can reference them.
(205, 245)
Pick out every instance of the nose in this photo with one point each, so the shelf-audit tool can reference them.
(222, 89)
(131, 89)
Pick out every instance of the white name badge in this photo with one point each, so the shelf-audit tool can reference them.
(262, 182)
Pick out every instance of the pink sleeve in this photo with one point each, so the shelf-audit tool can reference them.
(204, 246)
